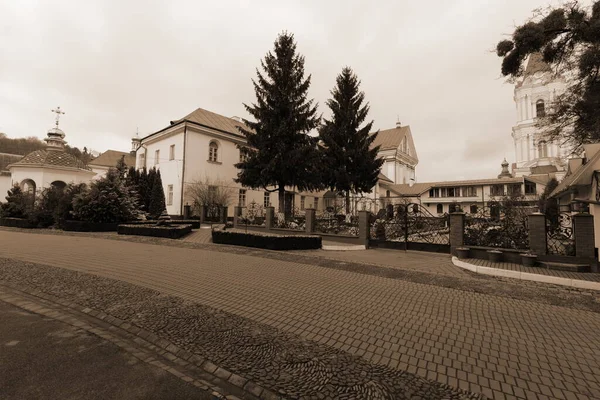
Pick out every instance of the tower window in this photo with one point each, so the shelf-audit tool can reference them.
(540, 108)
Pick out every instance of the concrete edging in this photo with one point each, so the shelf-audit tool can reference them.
(526, 276)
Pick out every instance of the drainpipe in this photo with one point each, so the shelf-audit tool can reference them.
(183, 167)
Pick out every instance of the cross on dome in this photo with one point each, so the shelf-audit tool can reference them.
(58, 111)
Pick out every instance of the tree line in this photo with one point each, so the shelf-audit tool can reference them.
(24, 146)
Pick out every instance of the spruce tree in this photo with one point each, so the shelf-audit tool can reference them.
(143, 189)
(121, 167)
(350, 165)
(280, 151)
(157, 199)
(149, 185)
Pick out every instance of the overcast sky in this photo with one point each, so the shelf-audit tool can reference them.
(117, 65)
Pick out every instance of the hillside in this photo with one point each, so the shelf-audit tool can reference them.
(23, 146)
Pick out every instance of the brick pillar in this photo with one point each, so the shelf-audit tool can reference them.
(202, 214)
(187, 211)
(537, 233)
(364, 228)
(583, 229)
(224, 214)
(269, 217)
(457, 231)
(310, 220)
(237, 211)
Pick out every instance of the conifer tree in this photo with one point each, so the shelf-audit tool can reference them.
(350, 165)
(157, 199)
(121, 167)
(280, 152)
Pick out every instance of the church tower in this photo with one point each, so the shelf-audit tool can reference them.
(534, 93)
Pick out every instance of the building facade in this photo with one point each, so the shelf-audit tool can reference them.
(533, 95)
(204, 146)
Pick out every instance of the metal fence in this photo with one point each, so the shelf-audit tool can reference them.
(559, 235)
(498, 226)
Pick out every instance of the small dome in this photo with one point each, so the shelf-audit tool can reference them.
(56, 132)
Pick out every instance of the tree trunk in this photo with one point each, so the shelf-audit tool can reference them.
(281, 193)
(347, 202)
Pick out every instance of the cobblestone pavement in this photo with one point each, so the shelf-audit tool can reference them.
(512, 344)
(584, 276)
(258, 354)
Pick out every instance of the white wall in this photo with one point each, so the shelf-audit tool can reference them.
(5, 185)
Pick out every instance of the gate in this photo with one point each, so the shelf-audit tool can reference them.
(559, 235)
(411, 227)
(212, 213)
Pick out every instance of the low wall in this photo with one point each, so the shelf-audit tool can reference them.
(17, 223)
(86, 226)
(416, 246)
(265, 240)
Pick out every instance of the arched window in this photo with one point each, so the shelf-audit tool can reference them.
(28, 186)
(540, 108)
(440, 208)
(213, 152)
(59, 184)
(542, 149)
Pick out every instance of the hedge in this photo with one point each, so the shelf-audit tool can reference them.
(271, 242)
(171, 232)
(17, 223)
(87, 226)
(195, 223)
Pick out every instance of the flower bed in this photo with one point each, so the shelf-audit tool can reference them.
(195, 223)
(266, 241)
(170, 232)
(17, 223)
(86, 226)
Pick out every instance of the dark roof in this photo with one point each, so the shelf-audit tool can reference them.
(390, 138)
(213, 120)
(51, 158)
(581, 176)
(543, 169)
(6, 159)
(110, 158)
(535, 64)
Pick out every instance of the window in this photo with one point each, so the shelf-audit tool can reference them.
(469, 191)
(387, 193)
(156, 157)
(542, 149)
(213, 152)
(267, 199)
(540, 108)
(302, 202)
(434, 192)
(514, 189)
(497, 190)
(440, 208)
(170, 195)
(316, 203)
(242, 198)
(451, 192)
(530, 188)
(243, 155)
(453, 208)
(172, 152)
(473, 209)
(142, 160)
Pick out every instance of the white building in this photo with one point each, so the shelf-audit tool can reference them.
(203, 145)
(534, 94)
(109, 159)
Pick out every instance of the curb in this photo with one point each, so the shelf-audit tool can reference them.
(334, 247)
(166, 349)
(526, 276)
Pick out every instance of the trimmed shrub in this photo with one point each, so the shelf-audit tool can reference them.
(195, 223)
(262, 241)
(86, 226)
(18, 204)
(171, 232)
(17, 223)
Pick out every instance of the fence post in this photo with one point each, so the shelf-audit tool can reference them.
(187, 211)
(269, 217)
(202, 214)
(537, 233)
(364, 228)
(457, 231)
(237, 211)
(310, 218)
(224, 214)
(583, 228)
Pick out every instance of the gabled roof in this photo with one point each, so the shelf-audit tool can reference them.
(54, 158)
(581, 176)
(213, 120)
(110, 158)
(390, 139)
